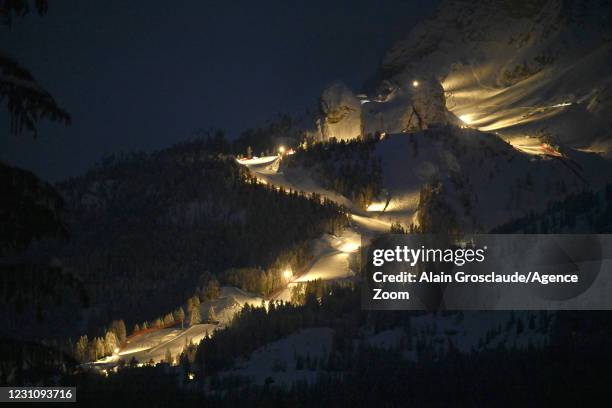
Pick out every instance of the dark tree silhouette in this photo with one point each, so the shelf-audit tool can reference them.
(20, 8)
(27, 101)
(30, 210)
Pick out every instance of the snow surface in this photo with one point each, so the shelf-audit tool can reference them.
(266, 169)
(465, 332)
(331, 253)
(341, 113)
(462, 331)
(487, 181)
(330, 261)
(231, 300)
(154, 344)
(520, 68)
(278, 360)
(500, 182)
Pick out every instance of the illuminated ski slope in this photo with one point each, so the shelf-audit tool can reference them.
(331, 262)
(153, 345)
(266, 169)
(331, 252)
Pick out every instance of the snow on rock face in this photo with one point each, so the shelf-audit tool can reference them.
(415, 104)
(474, 181)
(341, 111)
(520, 68)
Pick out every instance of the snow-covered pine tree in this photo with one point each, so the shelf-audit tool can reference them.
(211, 316)
(179, 316)
(194, 316)
(81, 346)
(110, 342)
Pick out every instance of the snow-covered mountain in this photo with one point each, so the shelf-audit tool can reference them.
(476, 179)
(536, 75)
(520, 68)
(537, 69)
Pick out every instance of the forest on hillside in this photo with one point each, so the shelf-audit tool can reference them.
(148, 231)
(585, 212)
(348, 167)
(356, 373)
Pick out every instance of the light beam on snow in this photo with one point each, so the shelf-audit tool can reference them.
(348, 247)
(477, 97)
(467, 118)
(377, 206)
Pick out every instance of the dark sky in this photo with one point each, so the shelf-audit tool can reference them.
(143, 75)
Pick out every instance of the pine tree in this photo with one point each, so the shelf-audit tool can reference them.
(136, 329)
(118, 327)
(133, 362)
(81, 346)
(194, 310)
(211, 316)
(91, 350)
(519, 326)
(179, 316)
(168, 358)
(110, 342)
(168, 320)
(99, 348)
(212, 290)
(193, 302)
(194, 316)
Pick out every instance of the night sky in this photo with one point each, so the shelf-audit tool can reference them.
(144, 75)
